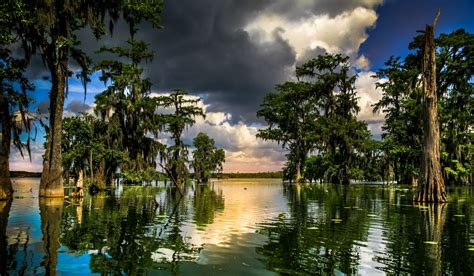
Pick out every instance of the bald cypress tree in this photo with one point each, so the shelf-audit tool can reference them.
(128, 108)
(184, 113)
(207, 158)
(14, 118)
(51, 32)
(432, 188)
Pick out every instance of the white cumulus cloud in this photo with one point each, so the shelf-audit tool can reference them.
(343, 33)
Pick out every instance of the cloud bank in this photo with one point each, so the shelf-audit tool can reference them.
(233, 52)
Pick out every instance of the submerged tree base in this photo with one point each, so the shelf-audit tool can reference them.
(432, 192)
(6, 190)
(53, 189)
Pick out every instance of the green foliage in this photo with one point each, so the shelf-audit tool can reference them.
(127, 106)
(207, 158)
(291, 115)
(318, 114)
(50, 29)
(139, 177)
(14, 87)
(88, 146)
(316, 168)
(402, 104)
(184, 111)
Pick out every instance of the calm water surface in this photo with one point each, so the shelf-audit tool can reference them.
(238, 227)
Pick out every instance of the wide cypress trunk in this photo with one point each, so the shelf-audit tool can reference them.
(431, 188)
(51, 179)
(6, 189)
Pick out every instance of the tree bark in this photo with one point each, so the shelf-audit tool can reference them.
(298, 176)
(51, 179)
(80, 184)
(100, 176)
(6, 189)
(432, 188)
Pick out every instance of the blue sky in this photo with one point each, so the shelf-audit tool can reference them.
(399, 20)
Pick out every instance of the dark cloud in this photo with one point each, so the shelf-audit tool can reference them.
(77, 106)
(43, 107)
(204, 49)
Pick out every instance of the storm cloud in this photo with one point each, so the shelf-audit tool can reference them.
(231, 53)
(226, 52)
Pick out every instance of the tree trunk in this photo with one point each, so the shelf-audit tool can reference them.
(100, 176)
(91, 165)
(298, 173)
(432, 188)
(345, 175)
(6, 189)
(80, 184)
(51, 179)
(51, 212)
(175, 173)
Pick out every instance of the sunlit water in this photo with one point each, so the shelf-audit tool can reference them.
(238, 227)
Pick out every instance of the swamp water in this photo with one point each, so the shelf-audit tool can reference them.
(237, 227)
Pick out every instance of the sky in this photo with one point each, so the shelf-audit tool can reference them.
(230, 53)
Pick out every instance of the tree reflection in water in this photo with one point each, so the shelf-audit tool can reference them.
(319, 236)
(206, 203)
(137, 232)
(4, 213)
(314, 229)
(51, 212)
(333, 228)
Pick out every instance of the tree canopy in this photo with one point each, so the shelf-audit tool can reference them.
(207, 158)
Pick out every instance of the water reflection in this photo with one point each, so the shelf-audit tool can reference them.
(366, 230)
(51, 211)
(4, 213)
(206, 203)
(320, 235)
(237, 227)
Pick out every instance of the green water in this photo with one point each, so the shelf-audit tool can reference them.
(245, 227)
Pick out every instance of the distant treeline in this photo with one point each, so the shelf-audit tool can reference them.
(24, 174)
(252, 175)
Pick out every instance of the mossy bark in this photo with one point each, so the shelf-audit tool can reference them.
(6, 189)
(51, 184)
